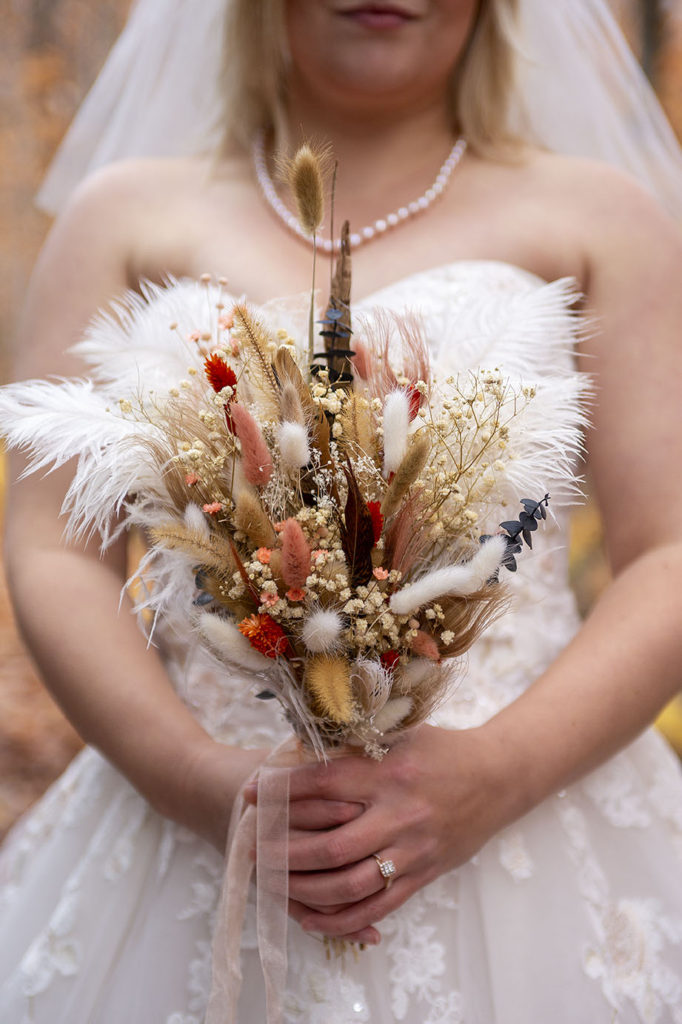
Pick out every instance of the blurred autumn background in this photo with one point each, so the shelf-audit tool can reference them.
(50, 52)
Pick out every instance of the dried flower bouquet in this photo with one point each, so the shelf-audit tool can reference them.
(332, 513)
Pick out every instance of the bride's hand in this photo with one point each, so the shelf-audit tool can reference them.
(432, 802)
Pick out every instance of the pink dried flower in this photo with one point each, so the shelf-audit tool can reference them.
(226, 321)
(379, 573)
(295, 554)
(256, 458)
(191, 479)
(268, 599)
(213, 508)
(263, 555)
(296, 594)
(194, 336)
(425, 646)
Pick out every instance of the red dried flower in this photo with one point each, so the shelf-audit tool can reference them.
(218, 373)
(220, 376)
(266, 635)
(377, 518)
(414, 399)
(389, 660)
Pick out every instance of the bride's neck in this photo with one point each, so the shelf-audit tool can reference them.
(382, 162)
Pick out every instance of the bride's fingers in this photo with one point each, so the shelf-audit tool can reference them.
(335, 888)
(343, 846)
(335, 780)
(369, 935)
(354, 919)
(308, 815)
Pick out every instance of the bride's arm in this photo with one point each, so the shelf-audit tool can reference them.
(93, 658)
(438, 796)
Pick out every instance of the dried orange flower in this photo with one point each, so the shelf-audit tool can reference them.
(263, 555)
(191, 479)
(265, 635)
(295, 594)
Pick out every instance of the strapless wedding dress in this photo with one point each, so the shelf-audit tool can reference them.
(571, 916)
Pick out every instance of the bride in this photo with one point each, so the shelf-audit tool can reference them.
(537, 842)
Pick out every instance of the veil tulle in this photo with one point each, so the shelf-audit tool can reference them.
(581, 92)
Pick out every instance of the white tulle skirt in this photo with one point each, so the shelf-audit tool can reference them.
(572, 916)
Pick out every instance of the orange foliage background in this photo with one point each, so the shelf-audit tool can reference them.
(50, 51)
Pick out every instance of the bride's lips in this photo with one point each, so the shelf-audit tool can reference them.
(378, 15)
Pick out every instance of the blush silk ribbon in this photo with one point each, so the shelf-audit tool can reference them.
(264, 828)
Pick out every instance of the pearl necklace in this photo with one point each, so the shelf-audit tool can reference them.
(366, 234)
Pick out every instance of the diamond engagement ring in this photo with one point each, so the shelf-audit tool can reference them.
(387, 869)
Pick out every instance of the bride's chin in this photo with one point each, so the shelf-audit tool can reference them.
(373, 87)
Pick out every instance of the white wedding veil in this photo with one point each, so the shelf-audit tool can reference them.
(580, 92)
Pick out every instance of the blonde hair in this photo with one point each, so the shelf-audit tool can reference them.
(255, 62)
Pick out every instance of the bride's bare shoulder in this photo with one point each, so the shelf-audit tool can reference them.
(591, 189)
(156, 180)
(150, 209)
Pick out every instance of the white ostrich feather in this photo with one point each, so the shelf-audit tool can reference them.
(58, 420)
(509, 327)
(293, 444)
(546, 440)
(396, 425)
(455, 580)
(146, 337)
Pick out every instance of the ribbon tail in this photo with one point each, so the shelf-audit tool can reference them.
(227, 972)
(273, 884)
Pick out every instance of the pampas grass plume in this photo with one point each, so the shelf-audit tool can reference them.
(295, 555)
(457, 580)
(321, 631)
(256, 458)
(293, 444)
(392, 713)
(227, 642)
(356, 423)
(396, 423)
(407, 472)
(250, 516)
